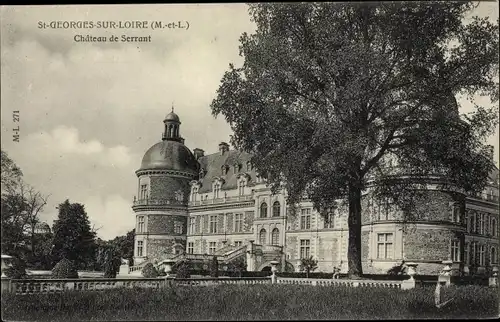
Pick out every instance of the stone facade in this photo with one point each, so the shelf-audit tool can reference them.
(227, 203)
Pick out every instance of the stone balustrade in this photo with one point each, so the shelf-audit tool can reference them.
(220, 200)
(339, 282)
(39, 286)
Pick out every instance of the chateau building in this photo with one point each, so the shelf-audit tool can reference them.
(194, 205)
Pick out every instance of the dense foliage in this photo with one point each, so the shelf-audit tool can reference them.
(66, 268)
(20, 208)
(308, 265)
(73, 237)
(332, 96)
(17, 270)
(183, 270)
(214, 267)
(149, 271)
(230, 302)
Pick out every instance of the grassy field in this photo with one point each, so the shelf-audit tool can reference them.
(251, 302)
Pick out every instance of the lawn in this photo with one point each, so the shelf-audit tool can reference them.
(251, 302)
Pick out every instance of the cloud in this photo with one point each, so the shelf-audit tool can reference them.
(64, 142)
(112, 215)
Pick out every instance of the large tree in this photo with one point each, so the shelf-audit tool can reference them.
(329, 93)
(73, 237)
(20, 211)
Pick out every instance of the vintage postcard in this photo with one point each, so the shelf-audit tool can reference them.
(250, 161)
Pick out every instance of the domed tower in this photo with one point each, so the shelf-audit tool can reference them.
(162, 195)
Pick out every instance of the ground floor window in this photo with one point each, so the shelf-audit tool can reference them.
(211, 247)
(140, 246)
(305, 248)
(385, 246)
(455, 250)
(466, 254)
(238, 243)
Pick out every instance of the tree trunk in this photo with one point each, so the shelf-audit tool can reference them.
(354, 223)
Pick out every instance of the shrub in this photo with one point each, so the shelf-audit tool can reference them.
(149, 271)
(183, 270)
(214, 267)
(65, 269)
(17, 270)
(111, 264)
(308, 265)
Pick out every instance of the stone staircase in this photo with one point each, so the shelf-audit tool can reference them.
(224, 255)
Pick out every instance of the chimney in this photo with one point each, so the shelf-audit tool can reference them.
(223, 147)
(198, 153)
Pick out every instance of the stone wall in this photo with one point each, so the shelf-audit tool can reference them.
(164, 224)
(159, 248)
(163, 187)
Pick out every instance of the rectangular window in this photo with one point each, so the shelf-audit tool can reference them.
(466, 254)
(140, 224)
(305, 219)
(305, 248)
(479, 223)
(473, 254)
(194, 193)
(178, 227)
(384, 208)
(216, 191)
(211, 247)
(213, 224)
(455, 212)
(143, 192)
(482, 257)
(330, 220)
(192, 225)
(455, 250)
(238, 223)
(385, 246)
(139, 248)
(190, 248)
(472, 223)
(241, 188)
(238, 243)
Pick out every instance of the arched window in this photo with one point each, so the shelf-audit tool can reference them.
(262, 236)
(263, 210)
(276, 209)
(493, 256)
(275, 237)
(249, 166)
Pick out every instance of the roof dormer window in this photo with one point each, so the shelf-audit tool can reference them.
(202, 173)
(224, 169)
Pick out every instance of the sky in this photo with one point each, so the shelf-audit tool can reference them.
(89, 111)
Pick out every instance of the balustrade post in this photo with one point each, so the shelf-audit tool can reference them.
(412, 271)
(274, 269)
(445, 275)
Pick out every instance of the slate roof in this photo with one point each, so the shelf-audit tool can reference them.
(213, 163)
